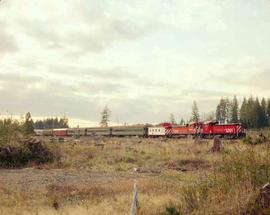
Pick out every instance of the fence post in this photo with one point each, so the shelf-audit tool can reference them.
(134, 206)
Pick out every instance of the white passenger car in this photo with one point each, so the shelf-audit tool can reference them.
(156, 131)
(38, 132)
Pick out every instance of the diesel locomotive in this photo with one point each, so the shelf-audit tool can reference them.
(196, 129)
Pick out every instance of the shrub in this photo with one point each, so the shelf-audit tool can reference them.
(129, 159)
(171, 210)
(28, 151)
(234, 179)
(256, 139)
(10, 132)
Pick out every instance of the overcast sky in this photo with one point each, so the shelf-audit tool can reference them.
(144, 59)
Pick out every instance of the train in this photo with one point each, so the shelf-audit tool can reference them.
(207, 129)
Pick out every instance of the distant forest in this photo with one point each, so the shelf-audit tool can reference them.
(253, 112)
(50, 123)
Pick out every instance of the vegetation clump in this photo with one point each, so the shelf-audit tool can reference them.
(239, 175)
(256, 139)
(171, 210)
(27, 151)
(17, 148)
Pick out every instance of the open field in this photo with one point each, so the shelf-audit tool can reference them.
(96, 176)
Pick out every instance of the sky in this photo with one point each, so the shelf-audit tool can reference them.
(144, 59)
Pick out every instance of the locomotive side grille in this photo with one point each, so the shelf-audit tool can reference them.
(168, 131)
(238, 129)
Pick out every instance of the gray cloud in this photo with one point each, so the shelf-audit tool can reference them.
(84, 100)
(7, 42)
(98, 30)
(258, 78)
(143, 60)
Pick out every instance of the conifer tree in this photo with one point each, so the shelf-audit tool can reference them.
(223, 111)
(218, 113)
(257, 114)
(234, 111)
(264, 120)
(243, 113)
(268, 111)
(28, 124)
(195, 116)
(172, 119)
(105, 117)
(182, 121)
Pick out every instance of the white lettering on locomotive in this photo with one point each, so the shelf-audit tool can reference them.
(229, 130)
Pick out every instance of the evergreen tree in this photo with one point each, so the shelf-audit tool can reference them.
(218, 113)
(195, 116)
(182, 121)
(105, 117)
(244, 113)
(223, 110)
(250, 117)
(28, 124)
(257, 114)
(264, 120)
(172, 119)
(50, 123)
(268, 111)
(234, 111)
(227, 112)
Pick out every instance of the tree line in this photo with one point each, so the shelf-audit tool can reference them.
(27, 125)
(50, 123)
(251, 113)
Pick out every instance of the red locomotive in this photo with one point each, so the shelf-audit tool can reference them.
(191, 129)
(212, 128)
(208, 130)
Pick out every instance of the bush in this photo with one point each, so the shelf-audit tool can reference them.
(10, 132)
(171, 210)
(234, 180)
(28, 151)
(256, 139)
(129, 159)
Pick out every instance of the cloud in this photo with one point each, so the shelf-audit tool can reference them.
(97, 30)
(248, 74)
(7, 42)
(85, 99)
(142, 59)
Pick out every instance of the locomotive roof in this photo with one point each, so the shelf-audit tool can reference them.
(230, 124)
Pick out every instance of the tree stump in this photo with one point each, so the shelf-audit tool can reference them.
(261, 205)
(263, 199)
(216, 145)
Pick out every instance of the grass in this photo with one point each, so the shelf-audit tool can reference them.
(174, 177)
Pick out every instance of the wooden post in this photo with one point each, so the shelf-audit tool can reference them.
(134, 207)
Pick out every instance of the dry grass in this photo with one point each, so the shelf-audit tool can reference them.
(181, 172)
